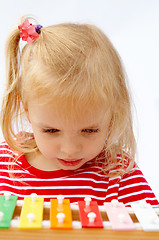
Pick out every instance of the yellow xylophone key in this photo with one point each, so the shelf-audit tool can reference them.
(32, 213)
(60, 214)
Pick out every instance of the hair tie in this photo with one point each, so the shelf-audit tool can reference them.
(29, 32)
(38, 27)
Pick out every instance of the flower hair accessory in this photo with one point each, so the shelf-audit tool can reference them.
(29, 32)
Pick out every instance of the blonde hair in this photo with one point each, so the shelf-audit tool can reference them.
(75, 64)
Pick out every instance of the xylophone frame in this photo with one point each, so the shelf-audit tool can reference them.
(78, 234)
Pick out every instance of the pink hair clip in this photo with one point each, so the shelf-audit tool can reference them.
(29, 32)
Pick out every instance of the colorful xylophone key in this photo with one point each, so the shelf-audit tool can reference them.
(32, 213)
(7, 206)
(146, 216)
(60, 213)
(90, 216)
(118, 216)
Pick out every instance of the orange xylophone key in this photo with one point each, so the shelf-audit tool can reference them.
(60, 214)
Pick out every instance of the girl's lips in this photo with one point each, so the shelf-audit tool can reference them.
(69, 162)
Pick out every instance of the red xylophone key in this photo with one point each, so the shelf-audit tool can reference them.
(90, 216)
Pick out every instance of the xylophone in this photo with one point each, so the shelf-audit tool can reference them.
(58, 219)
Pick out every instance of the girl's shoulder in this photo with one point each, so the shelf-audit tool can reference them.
(21, 137)
(6, 151)
(117, 165)
(4, 146)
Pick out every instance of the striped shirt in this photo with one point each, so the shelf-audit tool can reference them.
(21, 179)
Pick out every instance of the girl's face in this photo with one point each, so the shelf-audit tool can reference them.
(67, 143)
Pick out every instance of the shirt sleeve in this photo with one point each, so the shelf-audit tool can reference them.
(134, 187)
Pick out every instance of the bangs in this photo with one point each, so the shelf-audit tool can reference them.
(70, 100)
(77, 90)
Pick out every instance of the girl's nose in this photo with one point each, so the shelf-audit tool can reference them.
(70, 147)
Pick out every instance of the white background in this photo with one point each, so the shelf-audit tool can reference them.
(133, 27)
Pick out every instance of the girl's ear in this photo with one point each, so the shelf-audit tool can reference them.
(25, 106)
(27, 114)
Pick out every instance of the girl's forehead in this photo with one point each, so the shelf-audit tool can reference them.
(77, 115)
(67, 107)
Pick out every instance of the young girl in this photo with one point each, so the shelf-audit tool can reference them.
(67, 95)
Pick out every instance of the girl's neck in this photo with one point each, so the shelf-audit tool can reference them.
(38, 161)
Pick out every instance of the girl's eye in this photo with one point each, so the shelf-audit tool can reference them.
(50, 130)
(89, 131)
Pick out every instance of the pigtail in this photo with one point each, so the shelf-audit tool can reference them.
(11, 100)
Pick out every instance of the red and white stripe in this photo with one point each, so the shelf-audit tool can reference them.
(21, 179)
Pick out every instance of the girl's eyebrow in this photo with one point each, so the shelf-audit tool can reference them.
(46, 126)
(92, 126)
(50, 127)
(42, 125)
